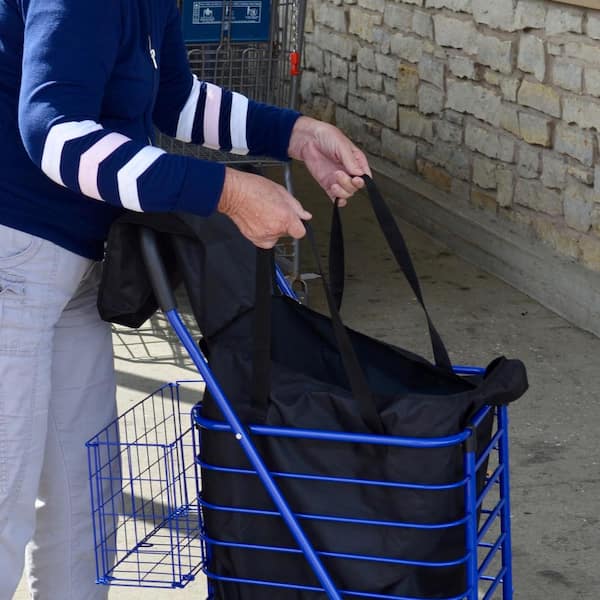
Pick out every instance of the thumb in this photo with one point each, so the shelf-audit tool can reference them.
(348, 156)
(300, 211)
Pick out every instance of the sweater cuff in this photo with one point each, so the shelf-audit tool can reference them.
(269, 129)
(202, 187)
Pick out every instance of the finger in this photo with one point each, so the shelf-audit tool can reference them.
(341, 202)
(361, 159)
(358, 183)
(300, 211)
(337, 191)
(349, 155)
(296, 229)
(266, 243)
(350, 184)
(345, 182)
(297, 208)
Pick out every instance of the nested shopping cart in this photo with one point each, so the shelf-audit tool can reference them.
(253, 47)
(148, 502)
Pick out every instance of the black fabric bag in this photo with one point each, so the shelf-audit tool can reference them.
(282, 364)
(208, 255)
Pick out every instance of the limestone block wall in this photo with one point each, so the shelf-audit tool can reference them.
(496, 102)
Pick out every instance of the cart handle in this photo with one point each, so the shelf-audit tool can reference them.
(156, 270)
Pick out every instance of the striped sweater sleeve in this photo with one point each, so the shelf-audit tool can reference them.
(70, 48)
(202, 113)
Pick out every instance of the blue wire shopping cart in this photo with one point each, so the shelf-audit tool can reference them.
(147, 499)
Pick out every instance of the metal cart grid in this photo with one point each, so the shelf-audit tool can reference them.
(143, 493)
(488, 545)
(147, 501)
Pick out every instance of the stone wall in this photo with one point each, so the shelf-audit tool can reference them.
(495, 102)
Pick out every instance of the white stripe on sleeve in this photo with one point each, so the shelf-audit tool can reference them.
(56, 139)
(129, 174)
(91, 159)
(185, 124)
(212, 112)
(237, 125)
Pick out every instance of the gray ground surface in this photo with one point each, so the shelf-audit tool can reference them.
(555, 452)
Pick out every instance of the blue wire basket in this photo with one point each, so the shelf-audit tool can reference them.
(486, 518)
(144, 495)
(147, 499)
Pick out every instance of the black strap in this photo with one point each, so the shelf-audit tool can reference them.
(337, 253)
(399, 249)
(354, 372)
(261, 355)
(262, 342)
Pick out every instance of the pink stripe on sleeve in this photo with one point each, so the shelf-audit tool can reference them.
(91, 159)
(212, 110)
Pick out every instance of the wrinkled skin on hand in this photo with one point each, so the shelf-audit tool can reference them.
(330, 157)
(265, 211)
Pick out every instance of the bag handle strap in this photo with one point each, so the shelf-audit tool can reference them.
(397, 245)
(261, 350)
(262, 341)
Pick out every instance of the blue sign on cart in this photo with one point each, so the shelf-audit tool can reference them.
(236, 20)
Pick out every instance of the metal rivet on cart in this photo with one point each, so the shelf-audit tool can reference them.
(238, 436)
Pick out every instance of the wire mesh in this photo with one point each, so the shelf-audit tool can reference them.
(147, 502)
(143, 491)
(487, 550)
(493, 542)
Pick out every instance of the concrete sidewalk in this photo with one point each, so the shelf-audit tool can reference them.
(555, 451)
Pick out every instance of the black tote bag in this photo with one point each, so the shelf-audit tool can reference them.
(282, 364)
(208, 255)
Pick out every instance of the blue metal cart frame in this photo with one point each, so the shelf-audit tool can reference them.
(481, 553)
(475, 538)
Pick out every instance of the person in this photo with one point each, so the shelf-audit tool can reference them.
(83, 84)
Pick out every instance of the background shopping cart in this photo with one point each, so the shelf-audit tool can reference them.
(258, 56)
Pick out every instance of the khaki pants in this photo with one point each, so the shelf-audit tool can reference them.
(57, 389)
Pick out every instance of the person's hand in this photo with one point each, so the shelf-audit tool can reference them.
(331, 158)
(263, 210)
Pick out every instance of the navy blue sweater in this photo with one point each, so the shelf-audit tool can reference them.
(82, 85)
